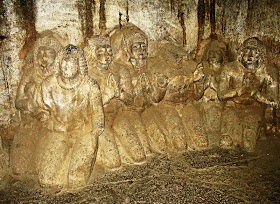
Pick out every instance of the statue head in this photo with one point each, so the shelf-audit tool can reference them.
(99, 51)
(215, 54)
(252, 53)
(132, 41)
(72, 62)
(45, 50)
(137, 45)
(46, 56)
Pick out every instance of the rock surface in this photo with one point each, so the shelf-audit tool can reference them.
(209, 176)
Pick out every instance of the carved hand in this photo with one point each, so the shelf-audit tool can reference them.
(198, 73)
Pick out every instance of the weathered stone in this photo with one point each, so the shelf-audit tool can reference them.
(99, 56)
(155, 97)
(28, 100)
(75, 119)
(206, 80)
(247, 85)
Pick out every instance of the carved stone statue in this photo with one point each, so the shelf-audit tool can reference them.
(28, 99)
(206, 80)
(168, 121)
(75, 115)
(247, 86)
(99, 56)
(130, 52)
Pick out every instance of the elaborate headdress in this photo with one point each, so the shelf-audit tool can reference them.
(48, 39)
(215, 45)
(125, 36)
(255, 43)
(74, 51)
(93, 43)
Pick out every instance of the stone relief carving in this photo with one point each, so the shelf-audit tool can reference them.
(99, 56)
(130, 48)
(206, 80)
(173, 119)
(24, 147)
(74, 109)
(117, 103)
(247, 85)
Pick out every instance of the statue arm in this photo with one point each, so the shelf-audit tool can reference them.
(267, 93)
(113, 86)
(46, 104)
(198, 82)
(22, 100)
(97, 113)
(158, 87)
(225, 91)
(126, 88)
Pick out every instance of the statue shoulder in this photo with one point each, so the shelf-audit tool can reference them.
(268, 72)
(272, 70)
(120, 69)
(29, 71)
(92, 83)
(231, 66)
(189, 65)
(49, 81)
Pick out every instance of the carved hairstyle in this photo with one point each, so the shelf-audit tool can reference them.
(256, 43)
(125, 36)
(75, 52)
(94, 43)
(47, 39)
(216, 45)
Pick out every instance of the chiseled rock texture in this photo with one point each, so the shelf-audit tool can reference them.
(209, 176)
(185, 23)
(151, 50)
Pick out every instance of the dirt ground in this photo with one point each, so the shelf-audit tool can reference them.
(209, 176)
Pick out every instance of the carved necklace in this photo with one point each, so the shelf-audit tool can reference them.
(74, 83)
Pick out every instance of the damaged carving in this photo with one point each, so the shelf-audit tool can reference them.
(121, 100)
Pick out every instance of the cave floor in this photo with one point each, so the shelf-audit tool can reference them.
(209, 176)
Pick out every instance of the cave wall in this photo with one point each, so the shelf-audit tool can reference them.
(183, 22)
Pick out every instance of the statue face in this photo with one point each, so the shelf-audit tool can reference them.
(139, 51)
(46, 56)
(250, 58)
(215, 58)
(104, 56)
(69, 67)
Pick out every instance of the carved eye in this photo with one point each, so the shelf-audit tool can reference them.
(100, 51)
(134, 47)
(110, 52)
(144, 46)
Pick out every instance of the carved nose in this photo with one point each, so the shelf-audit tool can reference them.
(44, 55)
(250, 55)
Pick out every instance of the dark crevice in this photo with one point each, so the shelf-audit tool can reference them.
(212, 16)
(120, 20)
(201, 22)
(89, 17)
(224, 18)
(249, 19)
(102, 16)
(25, 11)
(172, 6)
(127, 15)
(3, 14)
(85, 8)
(207, 10)
(182, 22)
